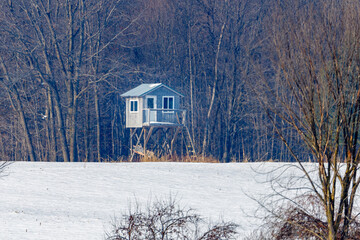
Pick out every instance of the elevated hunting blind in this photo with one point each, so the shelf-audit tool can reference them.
(152, 108)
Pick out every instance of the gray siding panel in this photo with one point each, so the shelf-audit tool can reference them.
(164, 92)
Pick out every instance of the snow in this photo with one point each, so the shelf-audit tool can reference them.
(154, 85)
(80, 200)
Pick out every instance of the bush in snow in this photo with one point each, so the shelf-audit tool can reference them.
(3, 166)
(302, 219)
(167, 220)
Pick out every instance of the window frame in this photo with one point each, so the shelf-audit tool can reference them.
(168, 110)
(136, 105)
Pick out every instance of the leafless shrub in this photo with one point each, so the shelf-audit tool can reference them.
(167, 220)
(3, 166)
(220, 231)
(302, 219)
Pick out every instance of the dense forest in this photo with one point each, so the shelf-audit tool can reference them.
(65, 63)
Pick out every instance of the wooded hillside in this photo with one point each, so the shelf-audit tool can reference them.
(64, 64)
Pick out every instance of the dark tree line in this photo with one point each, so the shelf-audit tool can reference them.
(64, 63)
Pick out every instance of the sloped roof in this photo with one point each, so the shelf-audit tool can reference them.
(145, 89)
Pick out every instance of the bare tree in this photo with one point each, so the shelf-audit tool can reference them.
(317, 94)
(18, 106)
(61, 48)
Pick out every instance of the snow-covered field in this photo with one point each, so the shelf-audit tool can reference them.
(80, 200)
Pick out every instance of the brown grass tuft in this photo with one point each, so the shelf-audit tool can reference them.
(175, 158)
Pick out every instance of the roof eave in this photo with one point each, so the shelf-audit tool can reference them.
(149, 91)
(162, 85)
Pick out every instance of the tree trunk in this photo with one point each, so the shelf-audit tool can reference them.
(18, 107)
(62, 130)
(52, 127)
(73, 129)
(98, 124)
(213, 92)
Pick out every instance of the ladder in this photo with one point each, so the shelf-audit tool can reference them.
(189, 144)
(137, 147)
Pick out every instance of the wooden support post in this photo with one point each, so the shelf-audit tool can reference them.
(149, 135)
(144, 129)
(184, 118)
(147, 138)
(131, 141)
(166, 143)
(173, 140)
(137, 144)
(160, 140)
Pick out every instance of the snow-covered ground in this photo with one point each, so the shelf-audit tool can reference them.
(80, 200)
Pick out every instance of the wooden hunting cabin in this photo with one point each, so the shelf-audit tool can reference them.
(153, 105)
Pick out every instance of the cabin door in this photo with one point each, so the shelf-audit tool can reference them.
(151, 105)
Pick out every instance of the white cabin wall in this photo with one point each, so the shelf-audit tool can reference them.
(134, 119)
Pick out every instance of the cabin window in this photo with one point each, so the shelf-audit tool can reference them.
(133, 105)
(168, 102)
